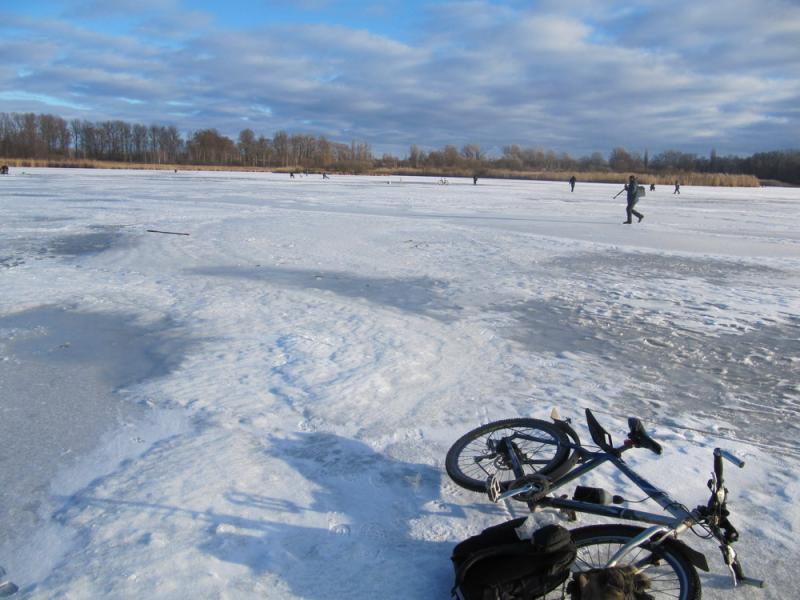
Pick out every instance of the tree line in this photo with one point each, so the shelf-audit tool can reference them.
(45, 136)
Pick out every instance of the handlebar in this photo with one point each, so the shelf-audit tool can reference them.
(718, 481)
(716, 510)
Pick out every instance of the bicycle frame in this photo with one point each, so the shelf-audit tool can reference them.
(679, 514)
(588, 461)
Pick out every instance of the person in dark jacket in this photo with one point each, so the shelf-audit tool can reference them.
(572, 181)
(632, 187)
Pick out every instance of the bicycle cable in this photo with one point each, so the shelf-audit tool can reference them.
(708, 534)
(645, 499)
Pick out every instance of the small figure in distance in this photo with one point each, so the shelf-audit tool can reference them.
(632, 187)
(325, 175)
(572, 181)
(652, 187)
(474, 180)
(4, 170)
(677, 188)
(291, 174)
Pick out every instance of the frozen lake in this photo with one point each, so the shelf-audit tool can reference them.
(261, 408)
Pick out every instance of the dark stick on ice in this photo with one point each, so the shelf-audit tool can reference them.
(169, 232)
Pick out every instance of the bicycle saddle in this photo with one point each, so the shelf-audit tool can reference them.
(600, 436)
(640, 438)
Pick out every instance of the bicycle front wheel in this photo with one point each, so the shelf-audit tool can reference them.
(668, 572)
(541, 447)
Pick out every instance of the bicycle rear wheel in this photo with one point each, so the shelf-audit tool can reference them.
(542, 448)
(668, 571)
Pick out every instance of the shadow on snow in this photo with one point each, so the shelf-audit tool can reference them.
(419, 295)
(369, 529)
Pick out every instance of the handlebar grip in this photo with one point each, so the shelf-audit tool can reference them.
(653, 445)
(719, 452)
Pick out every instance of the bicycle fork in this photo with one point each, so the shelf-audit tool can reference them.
(735, 567)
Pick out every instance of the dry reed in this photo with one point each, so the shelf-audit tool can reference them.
(700, 179)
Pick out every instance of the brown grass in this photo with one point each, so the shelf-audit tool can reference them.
(70, 163)
(703, 179)
(707, 179)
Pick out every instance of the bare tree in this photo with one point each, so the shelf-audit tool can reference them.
(472, 152)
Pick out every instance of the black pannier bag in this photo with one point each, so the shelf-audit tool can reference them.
(497, 565)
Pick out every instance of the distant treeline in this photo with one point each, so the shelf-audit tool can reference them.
(50, 137)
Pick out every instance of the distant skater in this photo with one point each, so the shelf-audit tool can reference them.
(572, 181)
(474, 180)
(291, 175)
(652, 187)
(632, 188)
(325, 176)
(677, 188)
(4, 170)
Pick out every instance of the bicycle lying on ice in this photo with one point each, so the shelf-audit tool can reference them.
(527, 460)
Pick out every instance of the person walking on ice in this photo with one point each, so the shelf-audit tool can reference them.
(677, 188)
(632, 187)
(572, 181)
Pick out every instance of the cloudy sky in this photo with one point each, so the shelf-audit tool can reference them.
(574, 76)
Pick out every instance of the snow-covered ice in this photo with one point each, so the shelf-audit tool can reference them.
(262, 408)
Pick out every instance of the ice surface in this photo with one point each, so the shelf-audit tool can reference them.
(59, 371)
(261, 409)
(737, 371)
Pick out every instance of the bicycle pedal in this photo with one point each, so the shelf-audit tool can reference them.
(493, 489)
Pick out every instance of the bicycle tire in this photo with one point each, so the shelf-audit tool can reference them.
(552, 456)
(674, 576)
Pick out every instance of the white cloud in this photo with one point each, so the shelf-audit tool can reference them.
(583, 75)
(18, 95)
